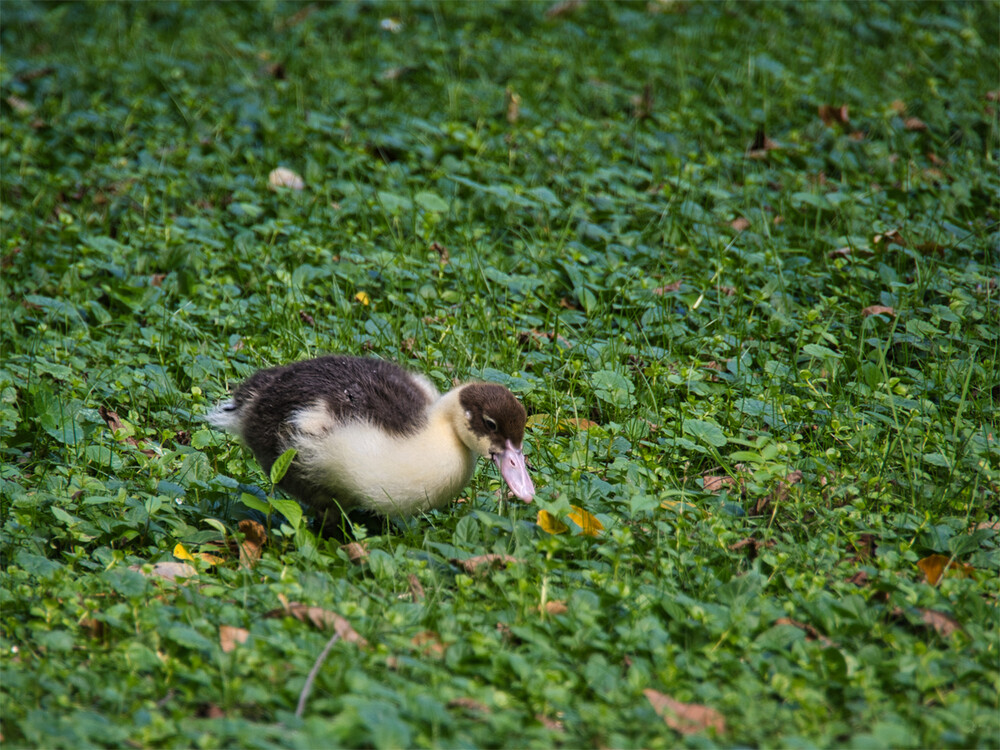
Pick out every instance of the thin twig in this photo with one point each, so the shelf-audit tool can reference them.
(307, 688)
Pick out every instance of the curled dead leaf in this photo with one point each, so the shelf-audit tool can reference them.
(751, 545)
(760, 145)
(563, 8)
(811, 633)
(416, 589)
(554, 607)
(944, 624)
(832, 115)
(484, 562)
(230, 637)
(254, 537)
(441, 250)
(320, 618)
(553, 725)
(429, 644)
(170, 571)
(740, 223)
(890, 237)
(914, 123)
(469, 704)
(712, 483)
(672, 287)
(356, 552)
(686, 718)
(512, 104)
(642, 104)
(282, 177)
(877, 310)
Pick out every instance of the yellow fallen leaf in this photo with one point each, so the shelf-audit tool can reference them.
(363, 298)
(934, 567)
(550, 523)
(208, 557)
(182, 554)
(587, 523)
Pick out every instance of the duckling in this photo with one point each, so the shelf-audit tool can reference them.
(374, 437)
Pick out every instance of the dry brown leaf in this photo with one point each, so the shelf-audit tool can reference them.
(356, 552)
(891, 237)
(672, 287)
(811, 633)
(858, 579)
(469, 704)
(752, 546)
(441, 250)
(306, 318)
(995, 525)
(394, 74)
(429, 643)
(686, 718)
(712, 483)
(877, 310)
(157, 279)
(553, 725)
(642, 104)
(320, 618)
(740, 223)
(230, 637)
(484, 562)
(567, 304)
(31, 75)
(944, 624)
(168, 570)
(114, 423)
(18, 104)
(563, 8)
(936, 566)
(416, 589)
(512, 104)
(282, 177)
(554, 607)
(898, 106)
(832, 115)
(540, 337)
(254, 537)
(761, 145)
(914, 123)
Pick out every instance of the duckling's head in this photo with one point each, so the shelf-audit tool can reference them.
(493, 426)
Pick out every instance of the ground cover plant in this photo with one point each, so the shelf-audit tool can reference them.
(739, 261)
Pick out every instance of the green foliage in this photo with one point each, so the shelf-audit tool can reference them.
(766, 346)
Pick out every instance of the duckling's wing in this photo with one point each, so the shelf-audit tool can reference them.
(333, 390)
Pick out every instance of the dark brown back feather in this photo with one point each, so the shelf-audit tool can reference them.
(354, 389)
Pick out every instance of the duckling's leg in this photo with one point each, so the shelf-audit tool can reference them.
(333, 523)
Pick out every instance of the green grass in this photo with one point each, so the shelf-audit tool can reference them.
(769, 463)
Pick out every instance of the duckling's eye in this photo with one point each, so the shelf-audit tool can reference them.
(491, 425)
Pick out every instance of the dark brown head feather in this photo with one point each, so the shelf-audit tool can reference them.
(489, 404)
